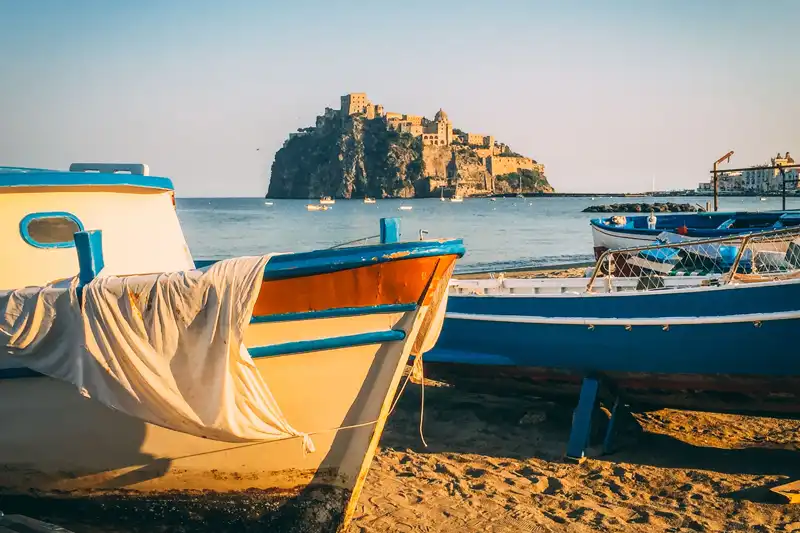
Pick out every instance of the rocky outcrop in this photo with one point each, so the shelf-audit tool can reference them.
(530, 181)
(469, 168)
(658, 207)
(351, 156)
(346, 158)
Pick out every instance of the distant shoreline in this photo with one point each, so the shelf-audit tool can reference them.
(663, 194)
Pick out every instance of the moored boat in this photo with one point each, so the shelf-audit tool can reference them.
(317, 207)
(368, 200)
(669, 340)
(327, 335)
(327, 200)
(618, 232)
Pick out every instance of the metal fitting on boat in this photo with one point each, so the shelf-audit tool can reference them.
(628, 327)
(665, 327)
(591, 327)
(757, 323)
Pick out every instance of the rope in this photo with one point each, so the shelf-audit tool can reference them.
(362, 239)
(308, 446)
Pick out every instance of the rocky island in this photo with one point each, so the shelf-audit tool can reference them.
(360, 150)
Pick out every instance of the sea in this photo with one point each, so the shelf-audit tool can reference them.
(509, 233)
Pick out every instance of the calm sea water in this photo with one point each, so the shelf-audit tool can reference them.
(510, 232)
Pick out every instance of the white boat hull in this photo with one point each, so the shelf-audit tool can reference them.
(608, 238)
(56, 443)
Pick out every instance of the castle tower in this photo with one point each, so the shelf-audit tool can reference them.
(444, 128)
(354, 103)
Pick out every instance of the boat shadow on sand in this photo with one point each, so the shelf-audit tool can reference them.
(523, 427)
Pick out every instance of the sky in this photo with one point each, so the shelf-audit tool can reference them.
(609, 95)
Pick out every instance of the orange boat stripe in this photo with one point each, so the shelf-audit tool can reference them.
(396, 282)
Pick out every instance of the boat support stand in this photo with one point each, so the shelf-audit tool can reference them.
(585, 414)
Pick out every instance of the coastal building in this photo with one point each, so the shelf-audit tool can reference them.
(411, 124)
(759, 179)
(497, 157)
(358, 103)
(477, 139)
(439, 132)
(436, 132)
(497, 165)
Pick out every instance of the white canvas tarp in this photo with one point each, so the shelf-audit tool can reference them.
(164, 348)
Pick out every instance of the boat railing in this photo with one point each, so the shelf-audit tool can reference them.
(759, 256)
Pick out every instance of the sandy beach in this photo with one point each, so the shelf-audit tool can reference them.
(495, 464)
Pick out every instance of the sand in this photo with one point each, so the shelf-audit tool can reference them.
(495, 464)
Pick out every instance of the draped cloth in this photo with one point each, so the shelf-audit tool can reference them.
(165, 348)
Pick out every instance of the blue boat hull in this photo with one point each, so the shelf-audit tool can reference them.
(717, 339)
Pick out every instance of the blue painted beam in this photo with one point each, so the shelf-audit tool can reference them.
(330, 343)
(335, 313)
(89, 245)
(390, 230)
(582, 419)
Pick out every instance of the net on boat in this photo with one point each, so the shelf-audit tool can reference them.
(763, 256)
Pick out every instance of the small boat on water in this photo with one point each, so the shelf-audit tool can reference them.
(128, 366)
(405, 208)
(666, 340)
(268, 203)
(492, 199)
(317, 207)
(457, 199)
(327, 200)
(368, 200)
(618, 232)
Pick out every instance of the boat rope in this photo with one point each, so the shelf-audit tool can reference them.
(308, 447)
(362, 239)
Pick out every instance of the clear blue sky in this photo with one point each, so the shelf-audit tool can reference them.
(605, 94)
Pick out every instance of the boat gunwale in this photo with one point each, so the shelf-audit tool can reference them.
(18, 177)
(301, 264)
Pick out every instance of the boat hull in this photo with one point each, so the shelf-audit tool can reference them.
(606, 238)
(331, 347)
(692, 226)
(730, 339)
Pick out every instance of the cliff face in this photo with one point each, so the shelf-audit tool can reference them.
(352, 156)
(347, 158)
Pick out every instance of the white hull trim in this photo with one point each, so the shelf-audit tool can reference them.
(597, 321)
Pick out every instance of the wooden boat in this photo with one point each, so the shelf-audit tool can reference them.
(369, 200)
(457, 199)
(618, 232)
(330, 334)
(327, 200)
(317, 207)
(669, 340)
